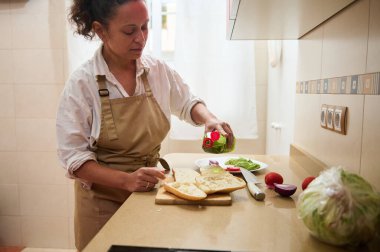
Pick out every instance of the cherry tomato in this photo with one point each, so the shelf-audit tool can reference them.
(273, 177)
(215, 135)
(208, 143)
(307, 181)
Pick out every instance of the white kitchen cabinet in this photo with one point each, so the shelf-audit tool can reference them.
(278, 19)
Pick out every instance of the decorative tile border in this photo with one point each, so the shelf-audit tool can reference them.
(367, 84)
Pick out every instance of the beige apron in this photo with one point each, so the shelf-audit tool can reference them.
(132, 129)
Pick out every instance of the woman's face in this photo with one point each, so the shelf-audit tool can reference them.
(127, 31)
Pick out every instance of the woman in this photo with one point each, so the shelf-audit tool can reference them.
(115, 112)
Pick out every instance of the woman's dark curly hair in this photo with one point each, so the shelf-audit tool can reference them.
(84, 12)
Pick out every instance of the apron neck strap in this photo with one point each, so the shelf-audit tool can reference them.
(144, 77)
(103, 91)
(106, 107)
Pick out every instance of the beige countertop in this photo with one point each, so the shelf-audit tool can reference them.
(246, 225)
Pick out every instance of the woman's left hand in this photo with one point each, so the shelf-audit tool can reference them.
(200, 114)
(222, 127)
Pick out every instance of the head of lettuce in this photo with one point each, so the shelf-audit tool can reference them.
(340, 208)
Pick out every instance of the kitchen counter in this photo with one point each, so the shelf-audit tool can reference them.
(246, 225)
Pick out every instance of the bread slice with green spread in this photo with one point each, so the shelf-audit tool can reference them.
(214, 170)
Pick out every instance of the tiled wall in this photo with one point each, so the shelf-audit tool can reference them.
(35, 196)
(346, 47)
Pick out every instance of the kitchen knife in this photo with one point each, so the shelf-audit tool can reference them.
(251, 183)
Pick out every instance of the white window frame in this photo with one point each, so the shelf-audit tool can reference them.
(155, 27)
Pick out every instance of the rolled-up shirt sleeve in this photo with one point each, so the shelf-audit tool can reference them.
(182, 100)
(73, 127)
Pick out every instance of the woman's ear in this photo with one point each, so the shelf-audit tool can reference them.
(99, 30)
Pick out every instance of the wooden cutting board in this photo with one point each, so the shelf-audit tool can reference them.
(166, 198)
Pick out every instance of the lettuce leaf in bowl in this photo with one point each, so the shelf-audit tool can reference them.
(243, 162)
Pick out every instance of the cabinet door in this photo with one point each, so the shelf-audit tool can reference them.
(278, 19)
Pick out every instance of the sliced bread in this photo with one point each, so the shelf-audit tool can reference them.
(185, 175)
(191, 185)
(185, 190)
(221, 184)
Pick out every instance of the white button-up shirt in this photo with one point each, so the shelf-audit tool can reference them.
(79, 111)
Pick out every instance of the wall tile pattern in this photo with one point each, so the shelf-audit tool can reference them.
(363, 84)
(348, 75)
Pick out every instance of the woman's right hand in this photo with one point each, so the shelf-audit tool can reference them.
(144, 179)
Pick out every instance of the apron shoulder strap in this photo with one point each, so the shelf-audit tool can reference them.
(106, 107)
(144, 77)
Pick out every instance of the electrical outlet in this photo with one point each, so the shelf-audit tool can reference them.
(330, 117)
(333, 118)
(323, 116)
(340, 119)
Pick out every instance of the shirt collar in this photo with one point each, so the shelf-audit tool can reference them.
(101, 67)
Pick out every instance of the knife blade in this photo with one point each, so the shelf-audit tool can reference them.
(251, 184)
